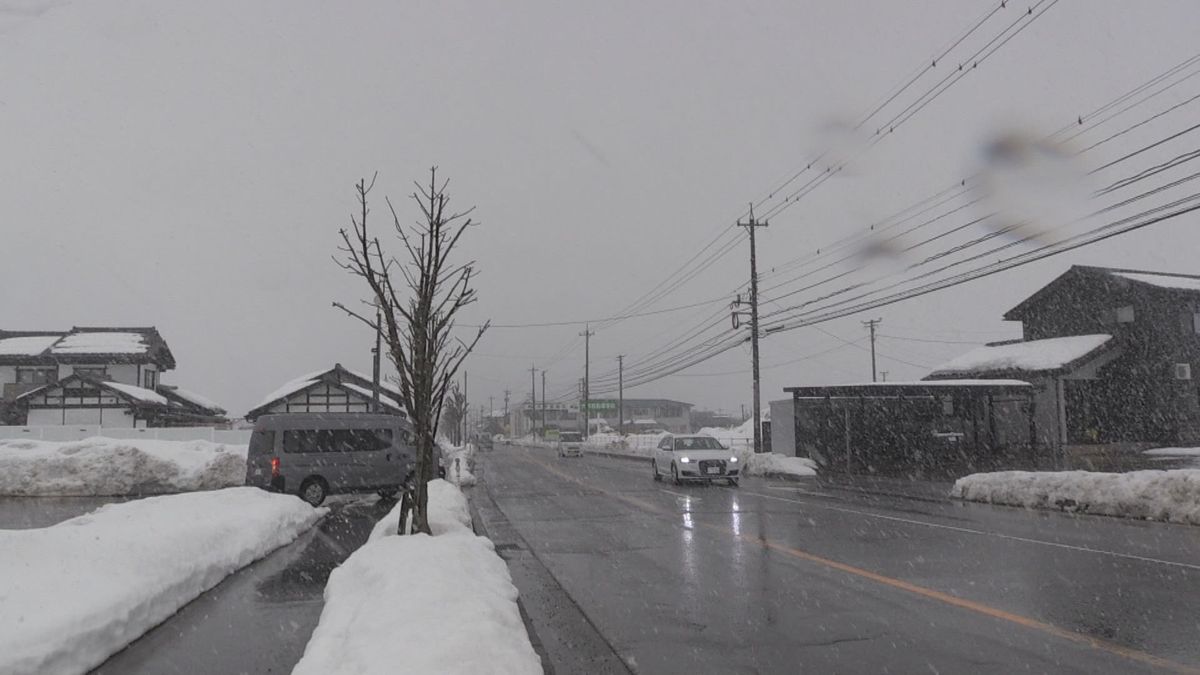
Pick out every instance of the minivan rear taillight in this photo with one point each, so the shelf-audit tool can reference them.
(274, 467)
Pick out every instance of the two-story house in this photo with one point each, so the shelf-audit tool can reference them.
(1112, 352)
(96, 376)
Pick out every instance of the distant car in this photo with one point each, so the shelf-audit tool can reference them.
(570, 444)
(314, 455)
(484, 443)
(694, 458)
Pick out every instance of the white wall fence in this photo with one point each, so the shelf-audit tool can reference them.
(82, 431)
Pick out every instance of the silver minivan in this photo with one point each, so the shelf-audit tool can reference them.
(313, 455)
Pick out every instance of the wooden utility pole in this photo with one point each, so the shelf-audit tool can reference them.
(543, 403)
(587, 361)
(871, 326)
(466, 409)
(504, 426)
(751, 225)
(621, 394)
(533, 399)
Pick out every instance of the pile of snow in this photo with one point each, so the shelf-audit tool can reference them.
(108, 466)
(1173, 452)
(459, 461)
(1034, 355)
(76, 593)
(741, 436)
(775, 464)
(139, 393)
(422, 604)
(1150, 495)
(634, 445)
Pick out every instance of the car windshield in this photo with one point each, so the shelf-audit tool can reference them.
(697, 443)
(461, 336)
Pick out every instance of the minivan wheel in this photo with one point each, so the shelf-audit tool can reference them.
(314, 491)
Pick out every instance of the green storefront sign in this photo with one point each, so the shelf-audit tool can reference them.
(602, 404)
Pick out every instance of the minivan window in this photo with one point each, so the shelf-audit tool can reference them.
(262, 442)
(336, 440)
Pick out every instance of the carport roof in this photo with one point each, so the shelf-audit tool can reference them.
(919, 388)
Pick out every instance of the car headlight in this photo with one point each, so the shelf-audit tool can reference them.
(733, 460)
(685, 460)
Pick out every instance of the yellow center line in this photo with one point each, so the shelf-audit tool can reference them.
(900, 584)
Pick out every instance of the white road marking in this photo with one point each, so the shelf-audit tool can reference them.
(968, 530)
(678, 494)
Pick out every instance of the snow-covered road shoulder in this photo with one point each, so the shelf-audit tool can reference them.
(422, 604)
(110, 467)
(775, 465)
(78, 592)
(1171, 496)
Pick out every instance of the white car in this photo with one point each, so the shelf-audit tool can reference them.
(570, 444)
(698, 458)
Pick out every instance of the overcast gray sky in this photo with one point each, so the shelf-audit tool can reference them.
(187, 165)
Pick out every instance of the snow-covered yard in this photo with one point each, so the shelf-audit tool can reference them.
(1172, 496)
(75, 593)
(107, 466)
(422, 604)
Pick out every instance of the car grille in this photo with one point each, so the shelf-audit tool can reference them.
(705, 464)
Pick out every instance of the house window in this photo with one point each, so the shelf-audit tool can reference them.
(37, 375)
(1125, 314)
(150, 379)
(97, 372)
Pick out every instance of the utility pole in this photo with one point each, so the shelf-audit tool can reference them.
(533, 399)
(466, 408)
(751, 225)
(587, 360)
(621, 394)
(504, 426)
(375, 364)
(871, 325)
(883, 375)
(491, 414)
(543, 403)
(581, 400)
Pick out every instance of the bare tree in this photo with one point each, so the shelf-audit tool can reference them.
(414, 303)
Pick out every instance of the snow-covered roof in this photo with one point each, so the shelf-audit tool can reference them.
(1175, 281)
(29, 345)
(137, 393)
(197, 399)
(292, 386)
(104, 342)
(1033, 356)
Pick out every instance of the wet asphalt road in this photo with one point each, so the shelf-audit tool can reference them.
(259, 619)
(777, 577)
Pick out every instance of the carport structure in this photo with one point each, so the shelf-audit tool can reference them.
(926, 428)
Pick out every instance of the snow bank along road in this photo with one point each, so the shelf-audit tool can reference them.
(422, 604)
(75, 593)
(1172, 496)
(782, 577)
(107, 466)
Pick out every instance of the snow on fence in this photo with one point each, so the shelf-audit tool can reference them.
(79, 432)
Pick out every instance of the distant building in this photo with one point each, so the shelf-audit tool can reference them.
(644, 414)
(702, 419)
(104, 376)
(336, 389)
(1111, 353)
